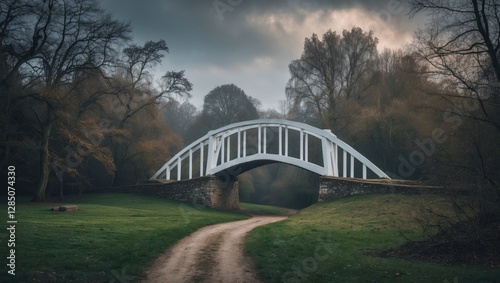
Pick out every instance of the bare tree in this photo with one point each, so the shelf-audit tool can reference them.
(135, 90)
(24, 28)
(334, 68)
(462, 44)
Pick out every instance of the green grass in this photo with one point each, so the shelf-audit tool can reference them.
(330, 242)
(258, 209)
(112, 236)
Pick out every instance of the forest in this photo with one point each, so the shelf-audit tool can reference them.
(82, 107)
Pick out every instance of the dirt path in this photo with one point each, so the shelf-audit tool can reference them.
(211, 254)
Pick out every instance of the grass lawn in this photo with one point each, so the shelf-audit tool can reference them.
(258, 209)
(330, 242)
(111, 237)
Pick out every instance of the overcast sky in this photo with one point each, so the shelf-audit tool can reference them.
(251, 42)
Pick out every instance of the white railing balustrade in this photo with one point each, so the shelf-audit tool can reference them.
(267, 141)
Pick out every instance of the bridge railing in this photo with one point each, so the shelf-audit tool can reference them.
(272, 141)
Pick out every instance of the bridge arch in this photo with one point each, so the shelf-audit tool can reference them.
(242, 146)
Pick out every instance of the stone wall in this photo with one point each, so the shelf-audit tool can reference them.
(206, 191)
(209, 191)
(331, 188)
(225, 195)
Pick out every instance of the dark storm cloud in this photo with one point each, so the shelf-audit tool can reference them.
(234, 36)
(215, 31)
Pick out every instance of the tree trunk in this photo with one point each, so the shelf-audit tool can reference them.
(44, 158)
(61, 191)
(114, 147)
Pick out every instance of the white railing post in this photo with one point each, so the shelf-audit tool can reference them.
(344, 163)
(327, 157)
(239, 143)
(212, 148)
(259, 140)
(306, 148)
(265, 140)
(202, 148)
(286, 141)
(179, 163)
(280, 150)
(228, 149)
(190, 163)
(244, 143)
(223, 144)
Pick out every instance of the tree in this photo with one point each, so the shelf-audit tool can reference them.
(332, 69)
(179, 116)
(462, 44)
(395, 116)
(67, 36)
(148, 143)
(76, 101)
(227, 104)
(17, 47)
(135, 89)
(223, 105)
(134, 92)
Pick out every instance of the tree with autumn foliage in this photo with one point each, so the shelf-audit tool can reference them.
(67, 36)
(135, 94)
(78, 95)
(330, 70)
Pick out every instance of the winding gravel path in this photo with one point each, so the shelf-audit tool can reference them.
(211, 254)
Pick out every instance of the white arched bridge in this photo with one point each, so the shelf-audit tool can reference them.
(240, 147)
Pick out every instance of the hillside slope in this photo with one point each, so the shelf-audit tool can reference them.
(335, 241)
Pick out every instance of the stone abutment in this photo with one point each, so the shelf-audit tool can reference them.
(207, 191)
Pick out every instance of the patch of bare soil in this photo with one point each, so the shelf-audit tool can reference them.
(475, 242)
(211, 254)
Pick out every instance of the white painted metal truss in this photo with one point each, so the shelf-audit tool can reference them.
(254, 143)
